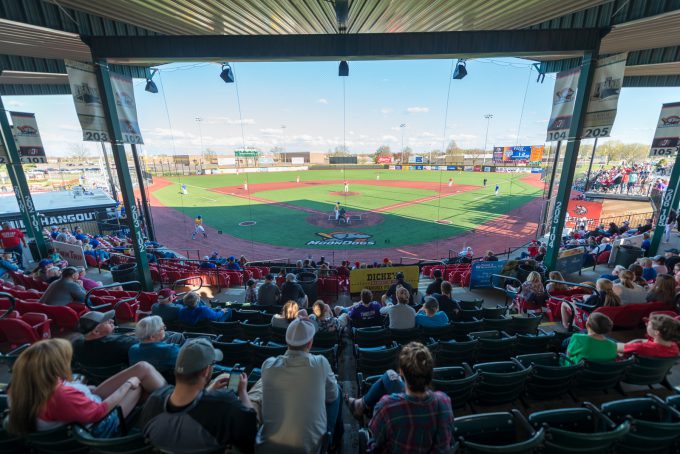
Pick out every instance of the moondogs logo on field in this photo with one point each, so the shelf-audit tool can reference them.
(342, 239)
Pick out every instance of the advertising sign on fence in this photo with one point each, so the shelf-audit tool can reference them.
(72, 253)
(384, 160)
(667, 135)
(380, 279)
(27, 138)
(481, 272)
(570, 260)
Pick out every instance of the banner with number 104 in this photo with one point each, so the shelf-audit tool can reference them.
(667, 136)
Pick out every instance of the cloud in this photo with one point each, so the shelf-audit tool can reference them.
(417, 109)
(462, 136)
(389, 138)
(385, 110)
(272, 131)
(322, 101)
(229, 121)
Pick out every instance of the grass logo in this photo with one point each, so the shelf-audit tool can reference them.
(342, 239)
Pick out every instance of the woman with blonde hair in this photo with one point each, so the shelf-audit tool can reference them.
(605, 297)
(44, 396)
(288, 313)
(554, 287)
(663, 289)
(325, 320)
(532, 290)
(628, 290)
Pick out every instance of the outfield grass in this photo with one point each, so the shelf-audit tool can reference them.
(407, 225)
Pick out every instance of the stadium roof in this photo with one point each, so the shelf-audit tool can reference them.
(37, 35)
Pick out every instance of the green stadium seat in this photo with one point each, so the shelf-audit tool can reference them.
(327, 339)
(522, 324)
(584, 430)
(655, 425)
(456, 352)
(227, 331)
(500, 382)
(457, 382)
(673, 401)
(438, 333)
(252, 332)
(10, 444)
(128, 444)
(549, 378)
(469, 305)
(493, 312)
(494, 345)
(459, 329)
(375, 361)
(502, 432)
(200, 335)
(331, 354)
(534, 343)
(237, 352)
(248, 315)
(278, 335)
(404, 336)
(470, 315)
(647, 371)
(261, 351)
(502, 323)
(602, 376)
(55, 441)
(371, 337)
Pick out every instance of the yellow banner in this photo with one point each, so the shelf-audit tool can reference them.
(380, 279)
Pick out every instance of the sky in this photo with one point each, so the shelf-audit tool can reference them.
(299, 106)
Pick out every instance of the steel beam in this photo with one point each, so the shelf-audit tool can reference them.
(148, 222)
(559, 210)
(668, 202)
(120, 159)
(29, 215)
(365, 46)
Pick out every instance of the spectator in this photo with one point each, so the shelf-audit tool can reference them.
(64, 290)
(648, 271)
(207, 264)
(151, 347)
(605, 297)
(593, 346)
(532, 290)
(54, 232)
(165, 307)
(44, 395)
(232, 264)
(288, 313)
(556, 288)
(663, 290)
(7, 265)
(645, 228)
(56, 258)
(646, 242)
(401, 315)
(269, 293)
(242, 261)
(430, 316)
(39, 273)
(407, 416)
(87, 283)
(672, 258)
(446, 302)
(638, 271)
(343, 271)
(663, 334)
(613, 229)
(11, 240)
(367, 311)
(616, 272)
(628, 290)
(291, 290)
(300, 384)
(659, 264)
(197, 415)
(195, 312)
(625, 227)
(99, 347)
(324, 318)
(251, 294)
(541, 254)
(490, 257)
(435, 285)
(391, 292)
(324, 270)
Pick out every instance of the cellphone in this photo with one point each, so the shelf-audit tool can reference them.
(234, 378)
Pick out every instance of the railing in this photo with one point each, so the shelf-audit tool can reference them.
(569, 303)
(88, 303)
(197, 251)
(12, 304)
(189, 281)
(420, 261)
(501, 282)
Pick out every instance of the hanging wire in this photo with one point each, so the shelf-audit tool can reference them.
(446, 119)
(521, 114)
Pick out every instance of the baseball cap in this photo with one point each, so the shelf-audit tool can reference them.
(300, 332)
(269, 277)
(196, 354)
(44, 262)
(673, 251)
(399, 275)
(165, 294)
(90, 320)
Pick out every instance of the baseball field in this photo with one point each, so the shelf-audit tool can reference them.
(392, 213)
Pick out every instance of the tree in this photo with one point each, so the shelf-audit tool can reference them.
(383, 150)
(209, 156)
(406, 153)
(340, 150)
(452, 148)
(78, 152)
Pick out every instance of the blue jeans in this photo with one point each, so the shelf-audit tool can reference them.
(385, 385)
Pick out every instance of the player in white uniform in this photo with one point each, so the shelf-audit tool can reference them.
(346, 186)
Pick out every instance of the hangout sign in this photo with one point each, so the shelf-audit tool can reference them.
(380, 279)
(89, 107)
(27, 138)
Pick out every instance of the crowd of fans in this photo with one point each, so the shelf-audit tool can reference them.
(633, 179)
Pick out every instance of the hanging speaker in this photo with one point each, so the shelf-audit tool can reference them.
(460, 70)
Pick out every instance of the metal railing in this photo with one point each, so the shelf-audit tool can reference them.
(88, 303)
(189, 281)
(501, 282)
(569, 303)
(12, 304)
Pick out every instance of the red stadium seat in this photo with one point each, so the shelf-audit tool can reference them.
(64, 318)
(630, 316)
(17, 332)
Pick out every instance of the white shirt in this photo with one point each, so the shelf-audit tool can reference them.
(635, 295)
(402, 316)
(295, 389)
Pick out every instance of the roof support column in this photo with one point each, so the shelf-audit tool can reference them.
(124, 179)
(148, 222)
(15, 170)
(559, 210)
(668, 202)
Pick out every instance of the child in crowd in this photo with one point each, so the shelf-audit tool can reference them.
(56, 258)
(605, 296)
(430, 316)
(628, 290)
(251, 294)
(323, 316)
(659, 264)
(663, 289)
(664, 334)
(648, 271)
(593, 346)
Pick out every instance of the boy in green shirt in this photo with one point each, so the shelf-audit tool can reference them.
(593, 346)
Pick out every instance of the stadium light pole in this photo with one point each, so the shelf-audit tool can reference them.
(402, 126)
(199, 120)
(283, 137)
(486, 136)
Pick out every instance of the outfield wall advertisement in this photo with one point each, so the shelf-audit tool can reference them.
(380, 279)
(529, 154)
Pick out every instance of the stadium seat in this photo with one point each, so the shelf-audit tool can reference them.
(456, 352)
(550, 377)
(371, 337)
(200, 335)
(374, 361)
(494, 345)
(469, 305)
(251, 331)
(227, 331)
(494, 312)
(584, 430)
(17, 332)
(502, 432)
(94, 375)
(601, 376)
(524, 324)
(261, 351)
(439, 333)
(502, 323)
(236, 352)
(647, 371)
(326, 339)
(55, 441)
(470, 315)
(655, 426)
(404, 336)
(133, 443)
(673, 401)
(278, 335)
(457, 382)
(330, 353)
(630, 316)
(459, 329)
(242, 315)
(534, 343)
(500, 382)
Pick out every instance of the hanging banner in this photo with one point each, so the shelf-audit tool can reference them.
(563, 104)
(89, 107)
(667, 135)
(604, 96)
(126, 107)
(27, 137)
(3, 152)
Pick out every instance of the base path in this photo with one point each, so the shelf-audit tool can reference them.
(512, 229)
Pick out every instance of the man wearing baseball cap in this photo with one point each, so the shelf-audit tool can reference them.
(166, 308)
(392, 291)
(300, 396)
(199, 415)
(100, 347)
(64, 290)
